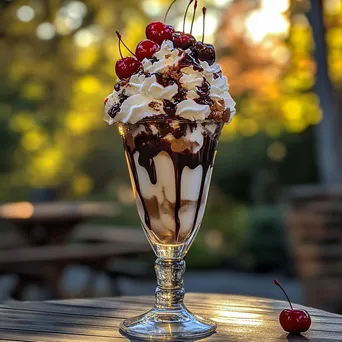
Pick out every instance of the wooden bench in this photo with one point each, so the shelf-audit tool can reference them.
(101, 248)
(64, 254)
(106, 233)
(118, 267)
(315, 227)
(11, 239)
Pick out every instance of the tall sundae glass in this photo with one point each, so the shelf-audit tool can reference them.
(169, 105)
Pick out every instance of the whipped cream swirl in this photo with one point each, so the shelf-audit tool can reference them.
(166, 87)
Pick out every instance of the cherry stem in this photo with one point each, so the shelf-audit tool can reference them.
(120, 40)
(204, 11)
(193, 16)
(288, 299)
(168, 10)
(186, 12)
(119, 36)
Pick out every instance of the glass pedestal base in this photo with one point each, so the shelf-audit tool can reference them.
(167, 325)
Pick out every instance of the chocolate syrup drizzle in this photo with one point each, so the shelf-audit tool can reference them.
(189, 60)
(166, 80)
(163, 80)
(204, 94)
(149, 146)
(169, 108)
(117, 86)
(115, 109)
(169, 78)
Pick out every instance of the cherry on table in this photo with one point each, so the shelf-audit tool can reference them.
(126, 67)
(158, 32)
(146, 49)
(292, 320)
(183, 40)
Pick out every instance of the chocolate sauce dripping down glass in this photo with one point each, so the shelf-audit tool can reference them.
(206, 167)
(149, 146)
(130, 159)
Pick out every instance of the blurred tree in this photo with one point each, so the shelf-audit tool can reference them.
(329, 131)
(267, 52)
(265, 48)
(56, 70)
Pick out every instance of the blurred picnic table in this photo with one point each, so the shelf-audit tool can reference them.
(47, 237)
(238, 318)
(52, 222)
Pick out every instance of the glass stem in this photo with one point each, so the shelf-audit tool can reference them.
(169, 292)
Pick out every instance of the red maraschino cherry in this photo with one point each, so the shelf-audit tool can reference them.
(183, 40)
(292, 320)
(146, 49)
(125, 67)
(158, 32)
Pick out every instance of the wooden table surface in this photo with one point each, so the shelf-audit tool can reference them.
(239, 319)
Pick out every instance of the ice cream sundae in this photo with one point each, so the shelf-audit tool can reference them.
(170, 104)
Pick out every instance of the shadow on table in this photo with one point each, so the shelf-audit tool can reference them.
(291, 337)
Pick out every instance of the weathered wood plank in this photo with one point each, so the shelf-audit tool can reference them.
(67, 328)
(77, 310)
(203, 300)
(31, 336)
(239, 319)
(229, 331)
(117, 309)
(192, 302)
(112, 309)
(320, 323)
